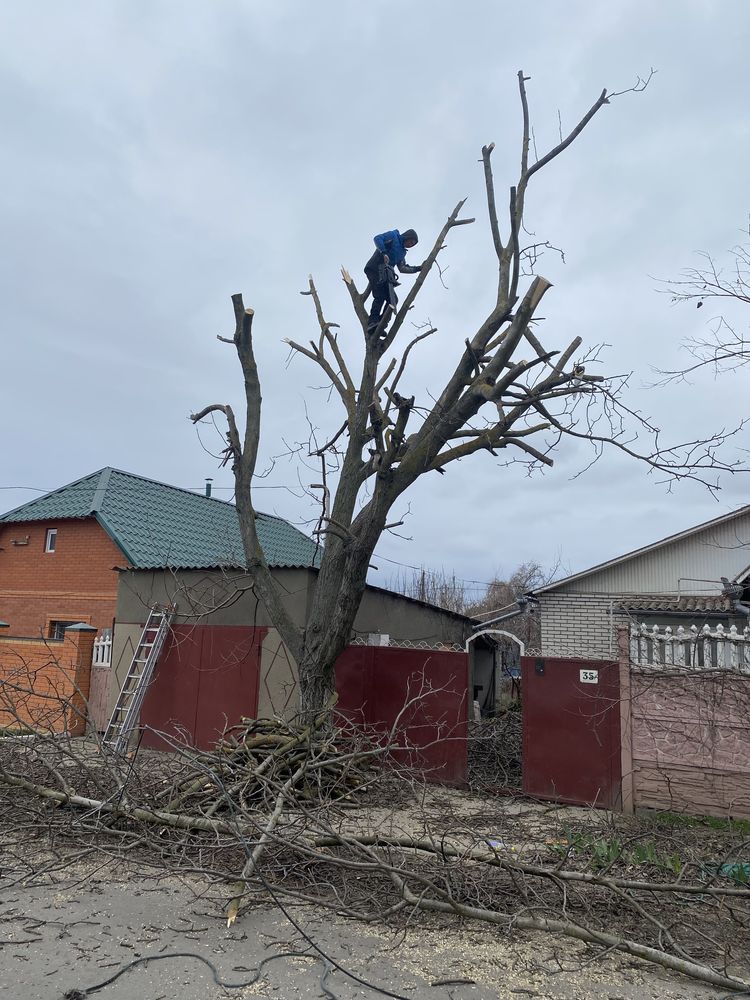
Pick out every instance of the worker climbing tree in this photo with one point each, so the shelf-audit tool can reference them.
(380, 270)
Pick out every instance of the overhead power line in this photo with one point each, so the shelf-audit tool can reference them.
(458, 579)
(199, 490)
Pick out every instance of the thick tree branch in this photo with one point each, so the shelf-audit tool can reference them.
(357, 299)
(243, 466)
(562, 146)
(489, 183)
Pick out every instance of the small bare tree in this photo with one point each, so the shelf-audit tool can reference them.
(725, 348)
(439, 587)
(508, 393)
(502, 592)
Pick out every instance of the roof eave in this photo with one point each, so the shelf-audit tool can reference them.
(150, 568)
(8, 518)
(670, 539)
(112, 534)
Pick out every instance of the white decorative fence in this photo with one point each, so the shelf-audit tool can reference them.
(383, 639)
(103, 649)
(697, 648)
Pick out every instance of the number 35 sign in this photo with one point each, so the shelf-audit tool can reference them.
(589, 676)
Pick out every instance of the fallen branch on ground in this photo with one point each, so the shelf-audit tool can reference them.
(295, 839)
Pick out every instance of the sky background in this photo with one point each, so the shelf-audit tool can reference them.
(158, 156)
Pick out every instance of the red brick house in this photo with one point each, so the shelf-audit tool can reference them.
(55, 572)
(60, 554)
(105, 549)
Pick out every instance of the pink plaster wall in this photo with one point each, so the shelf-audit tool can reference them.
(690, 737)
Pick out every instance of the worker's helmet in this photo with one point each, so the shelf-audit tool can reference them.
(409, 238)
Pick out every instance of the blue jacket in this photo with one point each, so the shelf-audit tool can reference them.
(392, 244)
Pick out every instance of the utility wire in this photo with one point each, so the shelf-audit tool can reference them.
(198, 490)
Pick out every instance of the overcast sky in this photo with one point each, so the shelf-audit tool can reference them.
(158, 156)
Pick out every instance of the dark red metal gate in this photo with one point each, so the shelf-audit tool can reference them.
(375, 683)
(208, 676)
(206, 679)
(571, 730)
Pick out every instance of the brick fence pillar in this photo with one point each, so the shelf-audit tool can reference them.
(79, 647)
(626, 724)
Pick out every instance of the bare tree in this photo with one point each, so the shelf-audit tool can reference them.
(502, 594)
(725, 348)
(498, 595)
(508, 393)
(439, 587)
(503, 591)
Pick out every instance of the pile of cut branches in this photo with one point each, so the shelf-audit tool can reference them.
(494, 752)
(260, 815)
(314, 762)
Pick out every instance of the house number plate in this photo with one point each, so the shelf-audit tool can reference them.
(589, 676)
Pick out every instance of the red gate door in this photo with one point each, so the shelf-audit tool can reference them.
(205, 680)
(375, 683)
(571, 730)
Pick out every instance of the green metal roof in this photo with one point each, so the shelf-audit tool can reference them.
(157, 525)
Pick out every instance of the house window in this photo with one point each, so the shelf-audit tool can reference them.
(51, 544)
(57, 629)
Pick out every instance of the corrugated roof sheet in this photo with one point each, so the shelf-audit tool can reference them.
(157, 525)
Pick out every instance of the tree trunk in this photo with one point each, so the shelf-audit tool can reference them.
(338, 594)
(317, 679)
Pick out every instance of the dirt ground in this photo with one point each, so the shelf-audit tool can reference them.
(82, 929)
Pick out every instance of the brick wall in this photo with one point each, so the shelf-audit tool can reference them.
(45, 684)
(580, 624)
(76, 582)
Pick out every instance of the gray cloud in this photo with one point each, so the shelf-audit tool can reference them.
(158, 158)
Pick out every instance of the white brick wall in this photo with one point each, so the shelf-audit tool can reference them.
(580, 624)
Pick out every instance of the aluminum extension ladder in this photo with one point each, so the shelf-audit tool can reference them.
(127, 710)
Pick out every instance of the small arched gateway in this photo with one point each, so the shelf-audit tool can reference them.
(494, 670)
